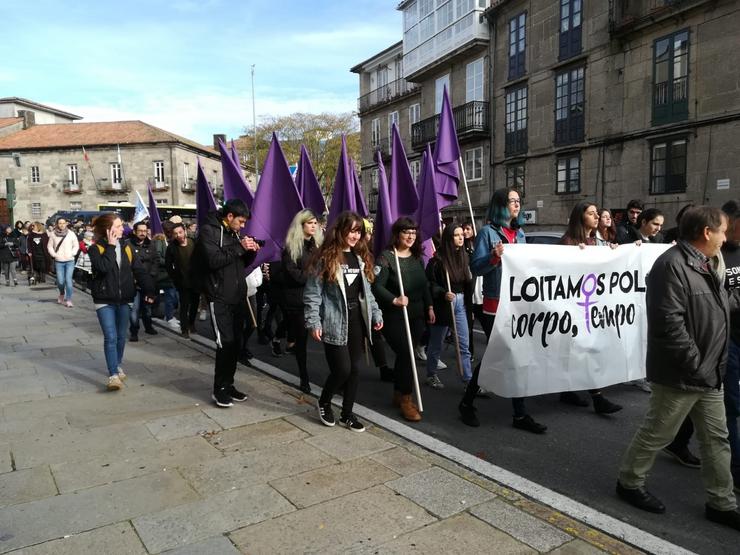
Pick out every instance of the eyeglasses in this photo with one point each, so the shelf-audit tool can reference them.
(408, 231)
(514, 201)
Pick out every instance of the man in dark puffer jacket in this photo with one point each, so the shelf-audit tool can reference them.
(219, 264)
(688, 312)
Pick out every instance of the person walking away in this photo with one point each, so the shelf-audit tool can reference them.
(581, 231)
(178, 262)
(23, 250)
(304, 236)
(38, 242)
(688, 318)
(221, 258)
(146, 253)
(503, 227)
(117, 272)
(450, 266)
(9, 255)
(340, 310)
(83, 266)
(417, 300)
(63, 247)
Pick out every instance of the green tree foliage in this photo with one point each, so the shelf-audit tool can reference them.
(320, 133)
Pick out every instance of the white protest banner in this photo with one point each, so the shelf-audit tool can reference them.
(569, 319)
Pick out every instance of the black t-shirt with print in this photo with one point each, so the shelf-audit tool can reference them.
(352, 278)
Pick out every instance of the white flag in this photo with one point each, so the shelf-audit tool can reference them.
(142, 212)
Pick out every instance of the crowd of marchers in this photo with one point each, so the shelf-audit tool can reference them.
(329, 286)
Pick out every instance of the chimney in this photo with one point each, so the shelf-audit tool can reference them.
(29, 118)
(218, 137)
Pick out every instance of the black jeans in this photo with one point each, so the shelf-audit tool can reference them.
(517, 403)
(228, 326)
(298, 333)
(189, 301)
(394, 332)
(343, 361)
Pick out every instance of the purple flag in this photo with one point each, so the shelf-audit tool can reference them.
(344, 196)
(204, 201)
(276, 203)
(447, 155)
(360, 205)
(404, 197)
(235, 154)
(427, 216)
(308, 186)
(155, 223)
(384, 216)
(235, 185)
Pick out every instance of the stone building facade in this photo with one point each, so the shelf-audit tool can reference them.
(614, 101)
(80, 166)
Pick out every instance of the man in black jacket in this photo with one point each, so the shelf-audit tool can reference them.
(688, 312)
(178, 258)
(142, 246)
(221, 258)
(627, 229)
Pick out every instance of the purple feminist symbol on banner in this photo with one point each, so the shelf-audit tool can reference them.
(587, 293)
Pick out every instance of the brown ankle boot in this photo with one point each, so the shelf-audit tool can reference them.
(409, 411)
(396, 398)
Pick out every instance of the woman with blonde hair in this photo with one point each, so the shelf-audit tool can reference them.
(340, 311)
(303, 238)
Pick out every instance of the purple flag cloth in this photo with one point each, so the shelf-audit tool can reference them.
(427, 216)
(155, 222)
(344, 196)
(384, 216)
(404, 197)
(204, 201)
(308, 186)
(276, 203)
(235, 154)
(447, 155)
(235, 185)
(360, 205)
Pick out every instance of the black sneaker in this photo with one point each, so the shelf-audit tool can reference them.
(572, 398)
(237, 395)
(683, 456)
(185, 334)
(134, 338)
(528, 424)
(467, 413)
(276, 350)
(222, 397)
(351, 423)
(602, 405)
(150, 331)
(326, 415)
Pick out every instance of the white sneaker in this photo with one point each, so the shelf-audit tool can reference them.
(114, 383)
(642, 384)
(203, 315)
(121, 374)
(421, 354)
(174, 323)
(441, 365)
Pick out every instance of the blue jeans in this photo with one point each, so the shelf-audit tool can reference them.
(170, 302)
(65, 271)
(732, 405)
(437, 335)
(114, 321)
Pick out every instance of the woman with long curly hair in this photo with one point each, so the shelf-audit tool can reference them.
(449, 266)
(340, 311)
(303, 238)
(417, 300)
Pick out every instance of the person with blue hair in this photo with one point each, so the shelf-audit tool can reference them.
(505, 219)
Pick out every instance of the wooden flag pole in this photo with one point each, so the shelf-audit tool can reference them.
(408, 336)
(251, 313)
(467, 194)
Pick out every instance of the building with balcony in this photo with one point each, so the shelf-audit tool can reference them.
(614, 101)
(77, 166)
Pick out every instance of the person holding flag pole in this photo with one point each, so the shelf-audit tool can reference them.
(402, 292)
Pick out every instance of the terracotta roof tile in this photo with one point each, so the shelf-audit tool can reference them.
(5, 122)
(63, 135)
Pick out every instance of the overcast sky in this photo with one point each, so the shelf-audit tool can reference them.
(184, 65)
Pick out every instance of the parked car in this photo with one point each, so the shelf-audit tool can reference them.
(543, 237)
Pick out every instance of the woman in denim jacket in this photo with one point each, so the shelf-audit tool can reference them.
(340, 310)
(504, 215)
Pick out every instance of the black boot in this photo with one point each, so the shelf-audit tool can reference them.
(602, 405)
(386, 374)
(467, 413)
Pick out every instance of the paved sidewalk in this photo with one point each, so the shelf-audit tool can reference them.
(157, 468)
